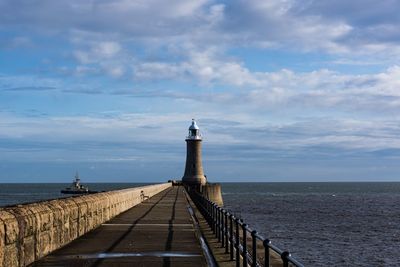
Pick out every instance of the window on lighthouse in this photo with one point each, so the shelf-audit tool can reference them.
(193, 132)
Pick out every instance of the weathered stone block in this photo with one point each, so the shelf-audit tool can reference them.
(2, 243)
(73, 230)
(44, 244)
(57, 235)
(11, 258)
(65, 212)
(71, 207)
(57, 211)
(11, 228)
(82, 226)
(44, 216)
(29, 250)
(26, 220)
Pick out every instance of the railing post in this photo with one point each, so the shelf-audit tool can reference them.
(226, 233)
(215, 220)
(222, 228)
(209, 214)
(244, 245)
(237, 243)
(285, 259)
(254, 248)
(212, 218)
(231, 234)
(219, 224)
(212, 210)
(266, 243)
(212, 215)
(204, 204)
(208, 211)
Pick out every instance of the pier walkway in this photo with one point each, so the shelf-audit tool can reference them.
(157, 232)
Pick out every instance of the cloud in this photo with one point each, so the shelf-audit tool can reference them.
(98, 52)
(277, 23)
(16, 42)
(315, 90)
(160, 64)
(229, 82)
(28, 83)
(99, 57)
(145, 41)
(336, 27)
(347, 134)
(137, 19)
(257, 144)
(30, 88)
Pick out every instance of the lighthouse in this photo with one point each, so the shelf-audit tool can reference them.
(194, 174)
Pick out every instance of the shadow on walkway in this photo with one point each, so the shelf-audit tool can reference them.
(99, 261)
(167, 260)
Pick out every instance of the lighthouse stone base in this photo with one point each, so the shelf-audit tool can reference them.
(210, 191)
(213, 193)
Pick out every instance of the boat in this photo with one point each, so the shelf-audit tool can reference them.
(77, 188)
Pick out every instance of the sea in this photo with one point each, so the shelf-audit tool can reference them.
(321, 224)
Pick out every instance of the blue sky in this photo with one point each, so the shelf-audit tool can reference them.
(282, 90)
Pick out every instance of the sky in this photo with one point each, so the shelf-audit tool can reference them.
(282, 90)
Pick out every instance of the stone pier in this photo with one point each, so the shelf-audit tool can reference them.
(31, 231)
(156, 225)
(157, 232)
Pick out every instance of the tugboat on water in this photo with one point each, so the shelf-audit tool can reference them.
(77, 188)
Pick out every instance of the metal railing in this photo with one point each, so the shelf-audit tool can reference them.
(245, 246)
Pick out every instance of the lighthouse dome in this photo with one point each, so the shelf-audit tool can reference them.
(194, 132)
(194, 126)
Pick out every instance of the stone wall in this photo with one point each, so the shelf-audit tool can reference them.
(213, 193)
(31, 231)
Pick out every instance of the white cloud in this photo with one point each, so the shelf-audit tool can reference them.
(98, 52)
(121, 49)
(114, 134)
(27, 81)
(319, 88)
(204, 67)
(320, 91)
(332, 27)
(102, 56)
(188, 39)
(106, 49)
(115, 71)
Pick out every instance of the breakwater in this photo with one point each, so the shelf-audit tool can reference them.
(30, 231)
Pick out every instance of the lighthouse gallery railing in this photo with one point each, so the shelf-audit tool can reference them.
(244, 245)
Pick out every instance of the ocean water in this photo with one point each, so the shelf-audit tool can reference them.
(321, 224)
(324, 224)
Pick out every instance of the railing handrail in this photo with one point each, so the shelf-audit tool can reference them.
(217, 217)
